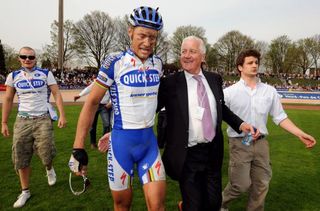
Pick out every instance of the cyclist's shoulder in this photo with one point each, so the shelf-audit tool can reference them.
(112, 58)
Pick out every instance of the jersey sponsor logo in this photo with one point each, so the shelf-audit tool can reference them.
(108, 61)
(110, 166)
(36, 83)
(133, 62)
(115, 103)
(149, 94)
(137, 78)
(37, 75)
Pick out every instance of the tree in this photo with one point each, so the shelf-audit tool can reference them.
(3, 70)
(313, 49)
(304, 61)
(262, 47)
(162, 47)
(11, 58)
(291, 59)
(96, 32)
(46, 63)
(69, 44)
(229, 46)
(277, 53)
(122, 37)
(212, 58)
(181, 33)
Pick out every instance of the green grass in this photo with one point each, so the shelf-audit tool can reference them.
(295, 184)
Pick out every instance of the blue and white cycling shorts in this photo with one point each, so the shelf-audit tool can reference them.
(133, 146)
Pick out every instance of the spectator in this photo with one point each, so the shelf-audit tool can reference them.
(33, 127)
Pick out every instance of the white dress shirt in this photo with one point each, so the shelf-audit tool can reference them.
(195, 124)
(254, 105)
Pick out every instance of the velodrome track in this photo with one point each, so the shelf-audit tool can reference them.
(68, 95)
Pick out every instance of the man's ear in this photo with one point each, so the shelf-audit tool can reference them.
(203, 58)
(130, 32)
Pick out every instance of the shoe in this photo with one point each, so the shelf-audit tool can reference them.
(180, 205)
(52, 177)
(94, 146)
(22, 199)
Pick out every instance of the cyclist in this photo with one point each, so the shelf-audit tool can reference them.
(132, 78)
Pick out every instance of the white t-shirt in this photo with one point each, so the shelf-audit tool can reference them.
(29, 101)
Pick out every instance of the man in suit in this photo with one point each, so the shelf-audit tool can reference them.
(193, 152)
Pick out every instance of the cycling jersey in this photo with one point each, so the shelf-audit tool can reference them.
(29, 101)
(133, 88)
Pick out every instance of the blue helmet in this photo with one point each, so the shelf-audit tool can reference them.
(146, 17)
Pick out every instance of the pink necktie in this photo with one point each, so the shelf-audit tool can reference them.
(203, 101)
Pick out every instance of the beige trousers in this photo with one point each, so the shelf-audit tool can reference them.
(249, 171)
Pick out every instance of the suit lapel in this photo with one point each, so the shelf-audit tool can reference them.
(182, 93)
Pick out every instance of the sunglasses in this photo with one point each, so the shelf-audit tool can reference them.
(24, 57)
(86, 184)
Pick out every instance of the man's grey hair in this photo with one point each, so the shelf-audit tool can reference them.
(201, 43)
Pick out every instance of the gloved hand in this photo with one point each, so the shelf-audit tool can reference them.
(78, 161)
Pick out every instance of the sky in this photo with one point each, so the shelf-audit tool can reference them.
(27, 22)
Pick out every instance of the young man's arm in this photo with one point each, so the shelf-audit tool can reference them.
(289, 126)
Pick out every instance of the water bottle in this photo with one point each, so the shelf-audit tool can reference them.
(247, 139)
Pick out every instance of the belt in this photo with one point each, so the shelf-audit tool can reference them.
(33, 117)
(260, 137)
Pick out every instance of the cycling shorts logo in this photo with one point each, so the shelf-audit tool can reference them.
(110, 167)
(36, 83)
(158, 166)
(138, 78)
(123, 178)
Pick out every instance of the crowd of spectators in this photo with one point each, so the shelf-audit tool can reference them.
(74, 79)
(282, 81)
(80, 78)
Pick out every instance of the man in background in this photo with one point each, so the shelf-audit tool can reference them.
(33, 129)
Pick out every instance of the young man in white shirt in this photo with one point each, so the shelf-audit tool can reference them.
(253, 101)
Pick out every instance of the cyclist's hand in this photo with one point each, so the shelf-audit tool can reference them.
(78, 162)
(103, 144)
